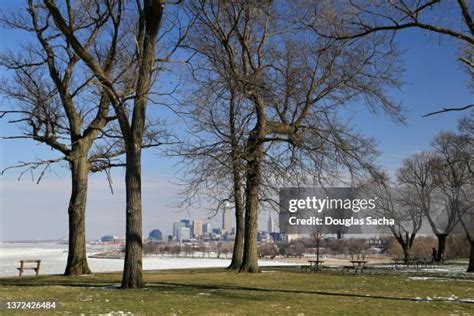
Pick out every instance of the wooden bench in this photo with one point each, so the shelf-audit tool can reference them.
(23, 267)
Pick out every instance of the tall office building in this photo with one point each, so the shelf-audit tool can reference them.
(270, 222)
(186, 222)
(197, 229)
(227, 217)
(184, 233)
(176, 228)
(207, 228)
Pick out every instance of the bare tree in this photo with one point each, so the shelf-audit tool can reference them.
(294, 86)
(358, 19)
(417, 175)
(463, 144)
(468, 228)
(453, 178)
(399, 203)
(212, 155)
(55, 102)
(138, 33)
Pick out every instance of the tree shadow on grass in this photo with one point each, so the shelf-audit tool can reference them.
(196, 289)
(160, 285)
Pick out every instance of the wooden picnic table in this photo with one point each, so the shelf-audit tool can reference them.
(414, 262)
(358, 265)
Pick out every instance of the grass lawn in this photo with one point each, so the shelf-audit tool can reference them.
(217, 291)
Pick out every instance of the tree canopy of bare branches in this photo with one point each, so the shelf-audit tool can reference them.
(293, 82)
(359, 18)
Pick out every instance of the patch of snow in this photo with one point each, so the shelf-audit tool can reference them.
(418, 278)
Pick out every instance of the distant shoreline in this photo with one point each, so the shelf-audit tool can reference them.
(60, 241)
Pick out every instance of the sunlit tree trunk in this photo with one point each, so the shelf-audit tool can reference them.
(250, 257)
(77, 256)
(132, 273)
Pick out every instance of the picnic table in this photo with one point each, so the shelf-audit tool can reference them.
(357, 265)
(414, 262)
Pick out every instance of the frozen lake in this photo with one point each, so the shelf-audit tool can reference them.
(54, 257)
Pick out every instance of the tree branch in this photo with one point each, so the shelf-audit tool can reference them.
(449, 110)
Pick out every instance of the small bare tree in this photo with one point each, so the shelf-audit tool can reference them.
(399, 203)
(418, 175)
(466, 128)
(454, 181)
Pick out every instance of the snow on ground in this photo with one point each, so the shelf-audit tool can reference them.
(54, 257)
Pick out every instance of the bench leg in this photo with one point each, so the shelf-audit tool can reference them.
(21, 268)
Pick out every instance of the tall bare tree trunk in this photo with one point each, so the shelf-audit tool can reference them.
(239, 229)
(237, 182)
(470, 268)
(77, 256)
(441, 246)
(132, 272)
(250, 257)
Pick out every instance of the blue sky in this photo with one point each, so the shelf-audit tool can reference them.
(433, 79)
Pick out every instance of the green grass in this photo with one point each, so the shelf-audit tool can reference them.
(220, 292)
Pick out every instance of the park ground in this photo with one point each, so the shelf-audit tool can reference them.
(275, 291)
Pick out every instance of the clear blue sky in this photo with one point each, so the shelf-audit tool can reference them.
(433, 79)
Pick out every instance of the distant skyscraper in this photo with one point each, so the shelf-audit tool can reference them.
(227, 217)
(184, 233)
(270, 222)
(197, 229)
(186, 222)
(176, 228)
(207, 228)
